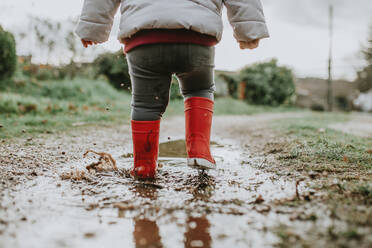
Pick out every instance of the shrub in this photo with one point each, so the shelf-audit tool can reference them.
(114, 66)
(343, 103)
(8, 57)
(317, 107)
(40, 72)
(265, 83)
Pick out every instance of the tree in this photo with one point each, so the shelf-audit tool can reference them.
(8, 57)
(364, 79)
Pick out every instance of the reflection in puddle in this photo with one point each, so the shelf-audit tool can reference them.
(197, 234)
(146, 234)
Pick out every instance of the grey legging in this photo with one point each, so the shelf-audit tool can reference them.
(151, 68)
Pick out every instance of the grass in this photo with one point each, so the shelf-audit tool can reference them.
(324, 148)
(50, 106)
(31, 107)
(230, 106)
(340, 166)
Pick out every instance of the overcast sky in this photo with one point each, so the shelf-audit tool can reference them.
(298, 28)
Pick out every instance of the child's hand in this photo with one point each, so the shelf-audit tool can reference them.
(87, 43)
(249, 44)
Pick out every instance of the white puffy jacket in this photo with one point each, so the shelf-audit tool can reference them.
(203, 16)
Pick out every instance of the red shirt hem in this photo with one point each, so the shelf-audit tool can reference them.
(153, 36)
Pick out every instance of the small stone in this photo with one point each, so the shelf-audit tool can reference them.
(89, 235)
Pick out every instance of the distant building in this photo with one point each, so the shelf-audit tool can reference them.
(312, 93)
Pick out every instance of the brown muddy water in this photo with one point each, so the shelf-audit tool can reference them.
(183, 207)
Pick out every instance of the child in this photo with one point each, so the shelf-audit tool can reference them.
(166, 37)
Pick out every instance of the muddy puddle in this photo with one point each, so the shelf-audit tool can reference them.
(233, 205)
(181, 208)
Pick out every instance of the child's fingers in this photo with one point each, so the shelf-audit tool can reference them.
(83, 42)
(249, 45)
(256, 43)
(87, 43)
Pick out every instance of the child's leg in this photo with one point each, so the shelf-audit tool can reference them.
(197, 86)
(150, 90)
(197, 79)
(150, 96)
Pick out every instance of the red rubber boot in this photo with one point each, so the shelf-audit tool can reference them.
(198, 116)
(145, 135)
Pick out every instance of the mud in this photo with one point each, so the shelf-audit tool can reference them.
(240, 204)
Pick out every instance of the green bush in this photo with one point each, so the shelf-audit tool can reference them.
(8, 57)
(114, 66)
(265, 83)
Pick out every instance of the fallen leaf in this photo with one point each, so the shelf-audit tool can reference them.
(72, 107)
(259, 199)
(105, 162)
(346, 159)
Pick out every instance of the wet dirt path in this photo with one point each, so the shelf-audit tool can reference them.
(234, 205)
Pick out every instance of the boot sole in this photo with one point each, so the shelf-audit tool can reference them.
(200, 163)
